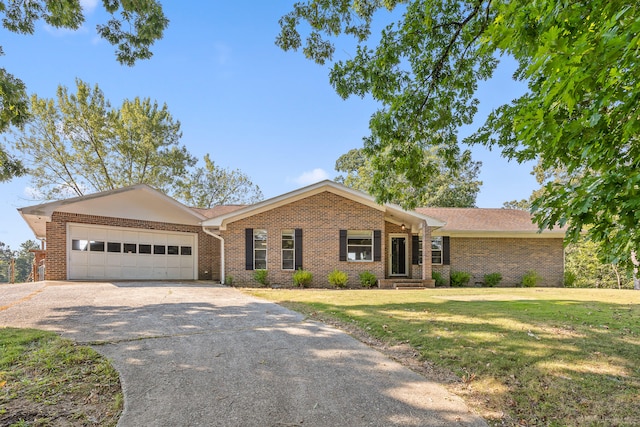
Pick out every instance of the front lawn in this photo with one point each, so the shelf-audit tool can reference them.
(558, 357)
(46, 380)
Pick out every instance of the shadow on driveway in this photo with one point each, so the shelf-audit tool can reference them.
(211, 356)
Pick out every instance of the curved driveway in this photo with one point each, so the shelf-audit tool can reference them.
(197, 354)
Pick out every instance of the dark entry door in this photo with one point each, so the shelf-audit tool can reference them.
(398, 256)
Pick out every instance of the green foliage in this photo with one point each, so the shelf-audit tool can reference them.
(492, 279)
(133, 27)
(228, 280)
(367, 279)
(302, 278)
(569, 279)
(459, 278)
(583, 264)
(261, 276)
(580, 61)
(77, 144)
(455, 186)
(438, 278)
(338, 278)
(530, 279)
(23, 261)
(213, 185)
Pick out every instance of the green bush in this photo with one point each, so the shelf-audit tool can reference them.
(368, 279)
(228, 280)
(460, 278)
(302, 278)
(261, 277)
(338, 278)
(530, 279)
(438, 278)
(570, 279)
(491, 280)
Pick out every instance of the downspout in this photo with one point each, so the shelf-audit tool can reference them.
(221, 252)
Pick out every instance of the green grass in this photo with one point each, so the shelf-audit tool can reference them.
(46, 380)
(552, 357)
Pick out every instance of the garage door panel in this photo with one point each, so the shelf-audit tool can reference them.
(100, 252)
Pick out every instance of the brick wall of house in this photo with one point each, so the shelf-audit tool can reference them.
(56, 267)
(511, 257)
(320, 217)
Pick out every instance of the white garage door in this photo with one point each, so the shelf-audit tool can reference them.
(115, 253)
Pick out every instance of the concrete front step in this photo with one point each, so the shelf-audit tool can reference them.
(400, 283)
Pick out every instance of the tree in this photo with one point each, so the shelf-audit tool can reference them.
(212, 185)
(78, 144)
(133, 27)
(581, 63)
(6, 255)
(448, 188)
(24, 260)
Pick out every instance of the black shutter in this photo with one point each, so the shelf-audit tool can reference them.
(298, 251)
(446, 259)
(377, 245)
(415, 249)
(248, 248)
(343, 245)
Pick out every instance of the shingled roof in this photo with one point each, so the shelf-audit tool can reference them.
(218, 210)
(478, 220)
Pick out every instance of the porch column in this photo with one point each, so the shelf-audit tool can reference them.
(426, 253)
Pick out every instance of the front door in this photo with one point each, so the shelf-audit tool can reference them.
(398, 255)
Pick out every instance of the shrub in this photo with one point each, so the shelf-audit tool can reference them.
(491, 280)
(368, 279)
(570, 279)
(302, 278)
(438, 278)
(460, 278)
(228, 280)
(261, 277)
(338, 278)
(530, 279)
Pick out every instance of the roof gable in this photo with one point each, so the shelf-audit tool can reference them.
(393, 213)
(139, 202)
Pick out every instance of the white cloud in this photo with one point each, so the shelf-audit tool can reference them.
(311, 177)
(88, 6)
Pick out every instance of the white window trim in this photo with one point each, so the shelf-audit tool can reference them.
(362, 232)
(440, 250)
(292, 234)
(266, 252)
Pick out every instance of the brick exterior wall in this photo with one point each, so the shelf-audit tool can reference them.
(56, 258)
(511, 257)
(320, 217)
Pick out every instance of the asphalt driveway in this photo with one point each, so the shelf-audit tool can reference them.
(198, 354)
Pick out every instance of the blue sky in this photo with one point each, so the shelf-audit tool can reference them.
(251, 106)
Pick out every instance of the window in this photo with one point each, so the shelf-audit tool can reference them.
(259, 249)
(359, 245)
(95, 246)
(288, 250)
(114, 247)
(436, 250)
(79, 245)
(129, 248)
(173, 250)
(144, 249)
(159, 249)
(185, 250)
